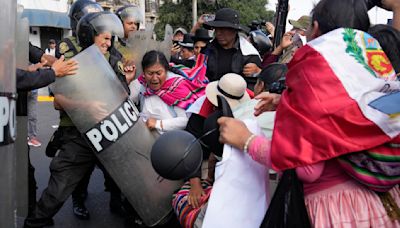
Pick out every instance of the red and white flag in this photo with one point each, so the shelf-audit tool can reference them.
(325, 111)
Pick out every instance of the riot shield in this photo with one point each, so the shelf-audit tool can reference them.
(141, 42)
(110, 123)
(7, 114)
(137, 44)
(22, 40)
(22, 62)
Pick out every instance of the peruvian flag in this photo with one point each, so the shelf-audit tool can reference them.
(325, 111)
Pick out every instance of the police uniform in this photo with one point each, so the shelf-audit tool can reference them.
(76, 159)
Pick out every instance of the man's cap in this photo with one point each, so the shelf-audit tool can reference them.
(302, 23)
(181, 30)
(52, 41)
(226, 18)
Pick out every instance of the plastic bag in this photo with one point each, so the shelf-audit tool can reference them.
(287, 208)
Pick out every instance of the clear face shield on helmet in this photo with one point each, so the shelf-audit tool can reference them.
(132, 12)
(108, 23)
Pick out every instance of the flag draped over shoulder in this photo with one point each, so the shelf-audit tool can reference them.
(325, 111)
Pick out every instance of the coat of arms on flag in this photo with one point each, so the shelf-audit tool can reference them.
(330, 107)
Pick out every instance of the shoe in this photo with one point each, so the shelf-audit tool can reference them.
(79, 209)
(34, 142)
(38, 222)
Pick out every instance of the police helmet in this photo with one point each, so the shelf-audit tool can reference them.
(80, 8)
(93, 24)
(130, 11)
(260, 41)
(176, 155)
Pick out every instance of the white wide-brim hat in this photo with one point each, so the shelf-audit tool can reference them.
(231, 86)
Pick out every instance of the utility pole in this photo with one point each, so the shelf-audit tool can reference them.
(194, 11)
(142, 5)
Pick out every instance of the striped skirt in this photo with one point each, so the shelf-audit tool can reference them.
(186, 214)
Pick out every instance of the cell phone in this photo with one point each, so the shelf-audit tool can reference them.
(175, 42)
(208, 17)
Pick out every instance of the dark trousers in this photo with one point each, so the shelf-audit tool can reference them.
(80, 191)
(31, 187)
(74, 161)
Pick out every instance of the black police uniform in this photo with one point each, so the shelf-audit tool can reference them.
(74, 161)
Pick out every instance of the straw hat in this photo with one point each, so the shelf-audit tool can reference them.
(231, 86)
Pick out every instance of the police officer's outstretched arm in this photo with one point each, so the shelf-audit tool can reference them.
(42, 77)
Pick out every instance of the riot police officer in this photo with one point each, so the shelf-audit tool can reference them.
(131, 17)
(69, 47)
(76, 158)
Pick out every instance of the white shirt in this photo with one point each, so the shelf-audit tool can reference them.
(173, 118)
(51, 52)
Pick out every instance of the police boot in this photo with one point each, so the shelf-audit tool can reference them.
(79, 208)
(38, 222)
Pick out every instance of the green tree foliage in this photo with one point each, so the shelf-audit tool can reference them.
(180, 14)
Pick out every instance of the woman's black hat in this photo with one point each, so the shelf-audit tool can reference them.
(201, 34)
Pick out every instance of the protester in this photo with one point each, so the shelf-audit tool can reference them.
(164, 95)
(332, 197)
(176, 38)
(188, 58)
(190, 203)
(269, 75)
(201, 39)
(229, 52)
(179, 34)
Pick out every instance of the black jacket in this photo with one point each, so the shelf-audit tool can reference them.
(35, 54)
(238, 61)
(34, 80)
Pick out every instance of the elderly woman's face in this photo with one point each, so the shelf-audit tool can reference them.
(155, 76)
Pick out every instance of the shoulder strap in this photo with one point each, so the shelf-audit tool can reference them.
(71, 46)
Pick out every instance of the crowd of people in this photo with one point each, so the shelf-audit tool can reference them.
(313, 96)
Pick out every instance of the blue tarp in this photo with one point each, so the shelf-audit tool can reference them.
(46, 18)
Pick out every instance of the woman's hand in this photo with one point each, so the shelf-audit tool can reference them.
(268, 102)
(233, 132)
(151, 123)
(130, 72)
(175, 49)
(195, 192)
